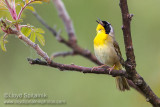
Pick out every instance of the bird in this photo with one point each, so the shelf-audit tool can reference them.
(107, 51)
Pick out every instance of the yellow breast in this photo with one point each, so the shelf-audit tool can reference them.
(102, 39)
(104, 49)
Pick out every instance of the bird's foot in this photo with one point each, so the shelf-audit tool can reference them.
(98, 67)
(110, 69)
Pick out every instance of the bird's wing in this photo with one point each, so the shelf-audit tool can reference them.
(117, 49)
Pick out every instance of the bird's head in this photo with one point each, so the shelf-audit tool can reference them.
(104, 26)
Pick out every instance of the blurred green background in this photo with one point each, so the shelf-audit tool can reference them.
(78, 89)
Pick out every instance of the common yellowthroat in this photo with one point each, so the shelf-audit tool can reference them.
(108, 52)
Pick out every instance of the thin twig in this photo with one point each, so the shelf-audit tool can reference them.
(63, 54)
(66, 19)
(20, 13)
(44, 24)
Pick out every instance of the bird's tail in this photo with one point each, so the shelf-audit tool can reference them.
(121, 82)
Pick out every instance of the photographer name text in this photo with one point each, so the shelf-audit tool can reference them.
(25, 96)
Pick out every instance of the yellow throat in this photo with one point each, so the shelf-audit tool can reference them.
(101, 38)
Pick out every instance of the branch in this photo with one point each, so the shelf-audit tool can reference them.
(66, 19)
(34, 46)
(12, 9)
(131, 63)
(127, 35)
(73, 45)
(72, 67)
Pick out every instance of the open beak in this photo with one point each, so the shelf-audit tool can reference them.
(99, 21)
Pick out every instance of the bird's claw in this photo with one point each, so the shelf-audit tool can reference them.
(110, 69)
(98, 67)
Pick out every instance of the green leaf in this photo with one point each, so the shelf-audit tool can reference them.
(37, 2)
(33, 37)
(26, 31)
(2, 6)
(30, 8)
(30, 26)
(3, 46)
(40, 39)
(43, 0)
(39, 30)
(2, 43)
(17, 21)
(21, 4)
(34, 33)
(26, 1)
